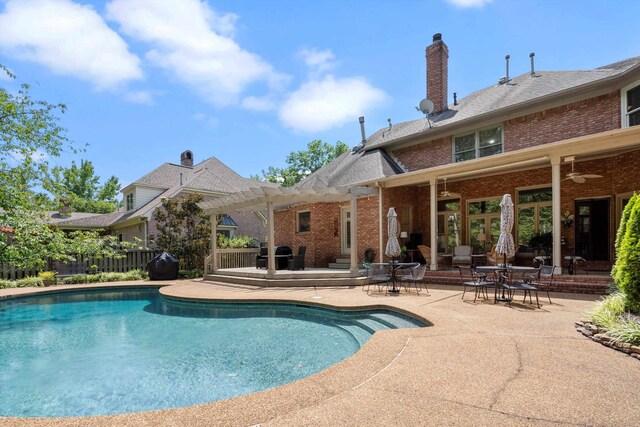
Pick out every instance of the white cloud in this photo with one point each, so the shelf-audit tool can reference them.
(258, 103)
(68, 38)
(193, 44)
(469, 3)
(318, 61)
(208, 120)
(319, 105)
(139, 97)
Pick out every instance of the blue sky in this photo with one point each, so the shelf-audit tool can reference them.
(249, 81)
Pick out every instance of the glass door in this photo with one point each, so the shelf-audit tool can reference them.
(345, 239)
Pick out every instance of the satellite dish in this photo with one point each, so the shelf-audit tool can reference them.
(426, 106)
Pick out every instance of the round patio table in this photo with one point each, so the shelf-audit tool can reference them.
(500, 270)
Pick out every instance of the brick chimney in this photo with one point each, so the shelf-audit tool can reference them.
(437, 73)
(186, 159)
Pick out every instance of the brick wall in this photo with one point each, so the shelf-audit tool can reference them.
(580, 118)
(323, 241)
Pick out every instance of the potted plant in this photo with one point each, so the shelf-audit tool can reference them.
(93, 269)
(48, 277)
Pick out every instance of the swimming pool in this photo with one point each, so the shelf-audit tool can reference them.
(132, 350)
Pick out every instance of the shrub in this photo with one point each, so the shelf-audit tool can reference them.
(135, 275)
(607, 310)
(29, 282)
(626, 329)
(73, 280)
(627, 267)
(236, 242)
(190, 274)
(6, 284)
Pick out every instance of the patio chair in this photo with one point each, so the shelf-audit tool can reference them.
(494, 258)
(546, 274)
(473, 279)
(296, 262)
(377, 275)
(526, 284)
(461, 255)
(415, 276)
(425, 251)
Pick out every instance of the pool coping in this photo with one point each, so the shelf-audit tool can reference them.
(387, 380)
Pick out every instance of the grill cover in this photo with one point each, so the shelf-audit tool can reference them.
(163, 266)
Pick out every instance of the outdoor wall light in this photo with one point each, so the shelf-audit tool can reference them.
(567, 219)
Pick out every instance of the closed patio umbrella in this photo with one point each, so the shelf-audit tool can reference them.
(393, 245)
(505, 243)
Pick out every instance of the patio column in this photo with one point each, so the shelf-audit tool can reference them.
(433, 220)
(271, 258)
(354, 233)
(555, 207)
(214, 243)
(380, 229)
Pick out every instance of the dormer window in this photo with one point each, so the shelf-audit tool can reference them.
(481, 143)
(130, 201)
(631, 105)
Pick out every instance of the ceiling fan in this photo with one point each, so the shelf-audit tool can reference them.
(578, 177)
(445, 193)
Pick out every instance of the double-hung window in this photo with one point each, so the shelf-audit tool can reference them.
(130, 203)
(631, 105)
(304, 221)
(481, 143)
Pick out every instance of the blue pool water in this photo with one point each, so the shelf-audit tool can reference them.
(109, 352)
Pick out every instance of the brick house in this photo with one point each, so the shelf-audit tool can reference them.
(563, 144)
(211, 177)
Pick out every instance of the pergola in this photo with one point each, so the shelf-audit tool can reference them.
(276, 198)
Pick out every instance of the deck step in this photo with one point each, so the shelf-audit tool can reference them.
(340, 265)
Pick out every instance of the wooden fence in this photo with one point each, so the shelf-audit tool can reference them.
(232, 258)
(133, 260)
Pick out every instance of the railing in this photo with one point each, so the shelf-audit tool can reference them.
(132, 260)
(232, 258)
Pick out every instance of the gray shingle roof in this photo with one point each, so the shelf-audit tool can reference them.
(208, 175)
(84, 220)
(351, 168)
(520, 90)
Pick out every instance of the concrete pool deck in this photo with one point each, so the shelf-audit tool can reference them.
(479, 364)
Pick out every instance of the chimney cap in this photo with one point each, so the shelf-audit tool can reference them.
(437, 37)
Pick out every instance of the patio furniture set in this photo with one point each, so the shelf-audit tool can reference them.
(391, 276)
(506, 280)
(285, 259)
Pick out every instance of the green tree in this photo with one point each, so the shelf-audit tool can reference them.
(81, 188)
(30, 136)
(302, 163)
(184, 230)
(627, 267)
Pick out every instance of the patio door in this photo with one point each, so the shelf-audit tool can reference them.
(484, 224)
(592, 229)
(345, 230)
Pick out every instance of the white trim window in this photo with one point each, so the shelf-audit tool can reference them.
(303, 221)
(631, 105)
(481, 143)
(130, 202)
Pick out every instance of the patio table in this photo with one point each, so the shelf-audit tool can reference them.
(500, 279)
(393, 268)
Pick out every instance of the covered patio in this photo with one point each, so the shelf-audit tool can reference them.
(610, 154)
(284, 198)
